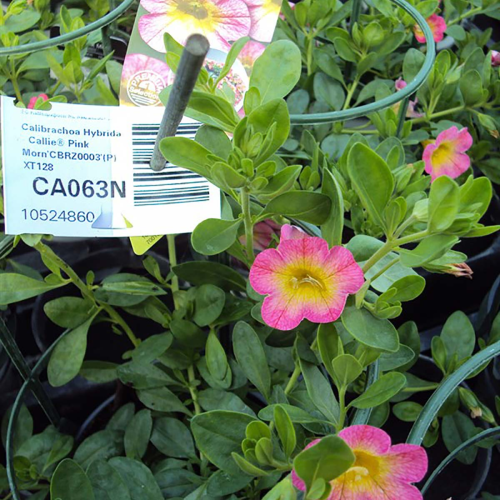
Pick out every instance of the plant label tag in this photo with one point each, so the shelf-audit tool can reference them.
(84, 171)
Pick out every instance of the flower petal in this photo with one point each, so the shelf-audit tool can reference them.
(306, 252)
(155, 6)
(282, 311)
(366, 438)
(345, 271)
(408, 462)
(266, 271)
(289, 232)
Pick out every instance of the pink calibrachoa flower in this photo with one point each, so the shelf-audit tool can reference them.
(221, 21)
(447, 155)
(250, 53)
(264, 15)
(495, 58)
(400, 84)
(380, 472)
(437, 25)
(31, 104)
(303, 278)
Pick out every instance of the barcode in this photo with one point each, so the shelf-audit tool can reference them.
(172, 185)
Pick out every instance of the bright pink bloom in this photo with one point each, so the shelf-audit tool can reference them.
(221, 21)
(495, 58)
(264, 15)
(437, 25)
(31, 104)
(400, 84)
(380, 472)
(303, 278)
(447, 155)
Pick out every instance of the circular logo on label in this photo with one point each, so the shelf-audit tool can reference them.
(143, 88)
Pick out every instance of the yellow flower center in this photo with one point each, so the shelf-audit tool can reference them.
(197, 10)
(442, 154)
(270, 6)
(302, 278)
(365, 466)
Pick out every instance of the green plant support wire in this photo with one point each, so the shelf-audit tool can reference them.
(362, 417)
(487, 434)
(443, 392)
(68, 37)
(9, 445)
(400, 95)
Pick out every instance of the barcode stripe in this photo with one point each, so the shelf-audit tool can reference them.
(171, 186)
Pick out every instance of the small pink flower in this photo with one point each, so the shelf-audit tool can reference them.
(447, 155)
(303, 278)
(250, 53)
(400, 84)
(264, 15)
(437, 25)
(263, 234)
(460, 270)
(495, 58)
(34, 99)
(380, 472)
(221, 21)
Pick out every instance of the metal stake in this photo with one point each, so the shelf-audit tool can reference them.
(190, 65)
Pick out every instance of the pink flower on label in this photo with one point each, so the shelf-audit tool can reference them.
(250, 53)
(221, 21)
(264, 15)
(400, 84)
(380, 472)
(304, 279)
(437, 25)
(447, 155)
(495, 58)
(34, 99)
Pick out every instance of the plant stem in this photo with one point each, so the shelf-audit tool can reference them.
(352, 89)
(429, 387)
(410, 238)
(379, 254)
(293, 380)
(469, 13)
(360, 131)
(172, 258)
(193, 391)
(342, 409)
(247, 219)
(438, 114)
(384, 269)
(115, 316)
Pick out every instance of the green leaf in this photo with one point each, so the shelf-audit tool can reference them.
(214, 399)
(142, 375)
(152, 348)
(443, 204)
(303, 205)
(172, 438)
(369, 330)
(231, 57)
(326, 460)
(106, 482)
(284, 58)
(216, 357)
(99, 446)
(347, 369)
(251, 357)
(17, 287)
(329, 91)
(68, 312)
(213, 236)
(23, 427)
(186, 153)
(70, 482)
(332, 228)
(372, 180)
(408, 288)
(139, 479)
(137, 434)
(218, 434)
(328, 345)
(429, 249)
(210, 109)
(380, 391)
(296, 414)
(471, 87)
(285, 429)
(407, 411)
(67, 358)
(215, 140)
(458, 337)
(320, 391)
(456, 429)
(413, 62)
(209, 302)
(162, 399)
(200, 273)
(393, 360)
(61, 448)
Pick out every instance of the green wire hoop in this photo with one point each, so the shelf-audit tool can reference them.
(403, 94)
(68, 37)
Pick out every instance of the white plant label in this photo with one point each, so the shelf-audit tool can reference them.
(80, 170)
